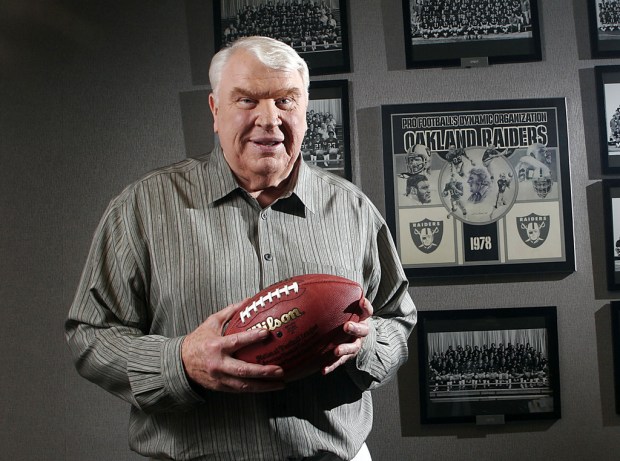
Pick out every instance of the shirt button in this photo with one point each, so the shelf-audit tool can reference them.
(268, 257)
(263, 215)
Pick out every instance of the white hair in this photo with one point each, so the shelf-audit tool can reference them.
(272, 53)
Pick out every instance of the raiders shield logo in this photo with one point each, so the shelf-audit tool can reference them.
(533, 229)
(426, 234)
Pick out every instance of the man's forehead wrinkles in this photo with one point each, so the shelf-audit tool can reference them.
(265, 93)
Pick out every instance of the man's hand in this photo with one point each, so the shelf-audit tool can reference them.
(207, 358)
(359, 330)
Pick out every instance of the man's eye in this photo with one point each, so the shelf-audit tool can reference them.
(287, 103)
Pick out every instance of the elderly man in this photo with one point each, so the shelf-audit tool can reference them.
(177, 251)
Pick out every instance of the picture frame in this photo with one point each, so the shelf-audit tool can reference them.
(611, 210)
(479, 188)
(604, 30)
(608, 107)
(328, 107)
(488, 366)
(615, 337)
(441, 37)
(317, 31)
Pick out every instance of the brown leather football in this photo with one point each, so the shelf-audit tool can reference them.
(305, 315)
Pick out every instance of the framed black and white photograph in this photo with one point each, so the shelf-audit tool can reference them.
(488, 366)
(327, 142)
(604, 16)
(611, 206)
(608, 105)
(615, 336)
(317, 30)
(479, 187)
(442, 33)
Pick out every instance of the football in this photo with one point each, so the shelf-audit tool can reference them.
(305, 316)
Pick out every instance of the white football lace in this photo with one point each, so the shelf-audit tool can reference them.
(260, 302)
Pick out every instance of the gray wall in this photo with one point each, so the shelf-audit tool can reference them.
(94, 94)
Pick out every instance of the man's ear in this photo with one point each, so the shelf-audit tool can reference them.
(214, 110)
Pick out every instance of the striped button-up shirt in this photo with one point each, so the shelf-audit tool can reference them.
(184, 242)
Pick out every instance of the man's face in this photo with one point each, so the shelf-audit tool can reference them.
(475, 183)
(423, 192)
(543, 155)
(260, 119)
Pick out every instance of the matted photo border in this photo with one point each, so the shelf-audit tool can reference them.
(489, 366)
(318, 31)
(450, 33)
(604, 19)
(479, 187)
(327, 142)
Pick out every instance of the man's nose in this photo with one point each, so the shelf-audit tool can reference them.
(268, 115)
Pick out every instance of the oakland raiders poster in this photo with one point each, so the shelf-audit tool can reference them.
(479, 187)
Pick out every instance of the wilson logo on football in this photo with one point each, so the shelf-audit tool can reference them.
(271, 323)
(286, 290)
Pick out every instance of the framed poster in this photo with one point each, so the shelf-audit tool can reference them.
(488, 365)
(608, 105)
(451, 33)
(327, 142)
(615, 336)
(611, 206)
(604, 16)
(479, 187)
(318, 31)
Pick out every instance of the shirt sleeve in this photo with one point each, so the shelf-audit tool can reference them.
(385, 348)
(108, 325)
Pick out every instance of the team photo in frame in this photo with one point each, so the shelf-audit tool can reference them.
(611, 206)
(615, 336)
(604, 17)
(326, 143)
(318, 31)
(441, 33)
(608, 105)
(479, 187)
(488, 366)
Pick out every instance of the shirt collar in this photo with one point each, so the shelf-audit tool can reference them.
(306, 182)
(221, 182)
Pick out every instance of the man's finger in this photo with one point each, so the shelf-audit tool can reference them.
(236, 341)
(367, 309)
